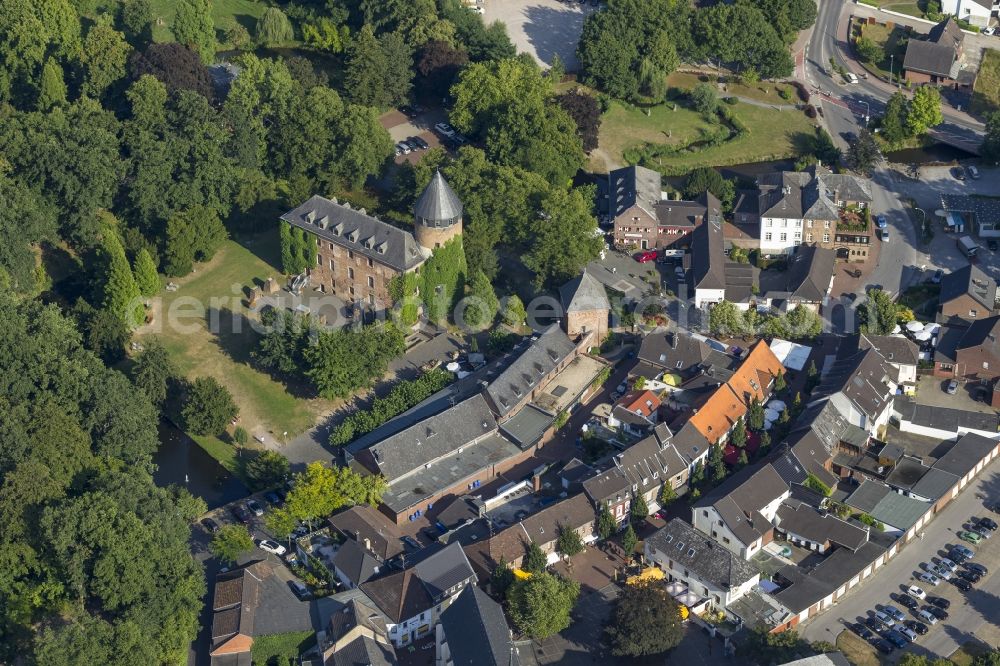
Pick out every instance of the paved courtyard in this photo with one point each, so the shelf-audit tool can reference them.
(542, 28)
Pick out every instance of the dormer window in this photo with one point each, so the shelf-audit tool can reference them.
(338, 229)
(310, 216)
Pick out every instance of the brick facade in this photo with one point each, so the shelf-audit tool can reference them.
(965, 307)
(350, 276)
(589, 321)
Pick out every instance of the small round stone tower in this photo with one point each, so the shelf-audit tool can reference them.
(438, 214)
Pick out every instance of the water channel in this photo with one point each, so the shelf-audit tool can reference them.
(181, 461)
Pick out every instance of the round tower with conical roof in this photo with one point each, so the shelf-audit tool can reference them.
(437, 214)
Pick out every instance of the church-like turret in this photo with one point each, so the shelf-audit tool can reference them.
(438, 214)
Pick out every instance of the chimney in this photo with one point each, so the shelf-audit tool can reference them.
(673, 340)
(368, 544)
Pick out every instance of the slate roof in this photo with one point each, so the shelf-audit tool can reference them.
(808, 523)
(861, 378)
(584, 293)
(404, 594)
(477, 632)
(809, 273)
(934, 484)
(982, 332)
(466, 507)
(684, 214)
(965, 454)
(985, 209)
(438, 202)
(810, 194)
(234, 602)
(740, 279)
(538, 358)
(689, 442)
(938, 54)
(666, 350)
(893, 348)
(740, 498)
(945, 418)
(631, 186)
(357, 231)
(363, 651)
(970, 280)
(948, 340)
(401, 454)
(708, 256)
(354, 613)
(363, 522)
(355, 562)
(709, 561)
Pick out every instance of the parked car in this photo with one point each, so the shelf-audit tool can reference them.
(962, 551)
(916, 592)
(645, 256)
(988, 523)
(881, 221)
(907, 601)
(936, 278)
(300, 590)
(894, 613)
(940, 602)
(241, 513)
(978, 568)
(403, 149)
(952, 387)
(992, 245)
(883, 646)
(958, 172)
(255, 507)
(445, 129)
(873, 624)
(929, 578)
(885, 618)
(421, 144)
(947, 564)
(918, 627)
(961, 584)
(982, 532)
(896, 638)
(272, 547)
(210, 525)
(970, 576)
(908, 634)
(862, 631)
(925, 615)
(973, 172)
(885, 235)
(939, 613)
(941, 572)
(972, 537)
(412, 543)
(272, 498)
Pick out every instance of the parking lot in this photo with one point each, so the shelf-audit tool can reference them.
(542, 28)
(972, 614)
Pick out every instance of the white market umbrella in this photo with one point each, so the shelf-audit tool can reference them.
(932, 328)
(776, 405)
(453, 367)
(914, 326)
(768, 425)
(923, 336)
(771, 414)
(896, 329)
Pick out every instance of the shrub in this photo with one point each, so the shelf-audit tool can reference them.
(810, 111)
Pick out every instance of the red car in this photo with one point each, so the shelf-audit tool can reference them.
(648, 255)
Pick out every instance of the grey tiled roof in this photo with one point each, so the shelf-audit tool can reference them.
(808, 586)
(862, 379)
(433, 438)
(945, 418)
(708, 256)
(965, 454)
(359, 232)
(679, 213)
(740, 498)
(929, 58)
(709, 561)
(810, 194)
(538, 358)
(444, 570)
(934, 484)
(477, 632)
(438, 202)
(889, 507)
(969, 280)
(363, 522)
(810, 524)
(633, 185)
(666, 350)
(355, 562)
(584, 293)
(363, 651)
(907, 472)
(809, 273)
(982, 332)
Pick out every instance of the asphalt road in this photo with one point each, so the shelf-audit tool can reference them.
(972, 614)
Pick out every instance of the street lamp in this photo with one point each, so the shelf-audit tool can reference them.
(868, 111)
(891, 56)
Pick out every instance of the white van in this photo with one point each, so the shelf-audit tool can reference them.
(851, 77)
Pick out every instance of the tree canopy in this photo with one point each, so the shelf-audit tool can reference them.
(539, 606)
(646, 621)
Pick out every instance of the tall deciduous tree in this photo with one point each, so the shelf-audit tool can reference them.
(540, 606)
(137, 20)
(535, 559)
(367, 70)
(193, 235)
(585, 111)
(863, 154)
(925, 110)
(267, 469)
(569, 542)
(153, 371)
(481, 303)
(991, 138)
(105, 54)
(208, 407)
(564, 236)
(230, 543)
(707, 179)
(274, 28)
(194, 28)
(646, 622)
(175, 65)
(606, 524)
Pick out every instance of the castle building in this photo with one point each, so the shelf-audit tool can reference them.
(358, 255)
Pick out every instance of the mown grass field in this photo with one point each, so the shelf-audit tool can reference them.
(986, 95)
(216, 292)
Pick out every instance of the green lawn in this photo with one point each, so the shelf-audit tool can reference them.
(225, 13)
(764, 91)
(266, 405)
(908, 8)
(986, 95)
(772, 135)
(893, 43)
(266, 649)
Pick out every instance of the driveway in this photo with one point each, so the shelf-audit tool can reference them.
(971, 614)
(542, 28)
